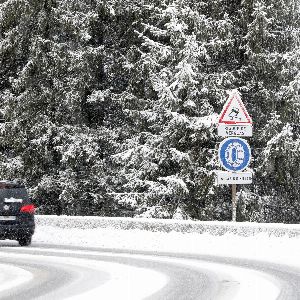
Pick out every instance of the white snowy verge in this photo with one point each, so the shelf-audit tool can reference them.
(276, 243)
(159, 225)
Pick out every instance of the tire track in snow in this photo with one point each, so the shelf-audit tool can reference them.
(69, 277)
(11, 276)
(190, 276)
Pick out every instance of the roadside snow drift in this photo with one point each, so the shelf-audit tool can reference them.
(278, 243)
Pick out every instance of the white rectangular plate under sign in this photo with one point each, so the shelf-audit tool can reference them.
(234, 177)
(234, 130)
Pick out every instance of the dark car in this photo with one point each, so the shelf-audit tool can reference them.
(16, 213)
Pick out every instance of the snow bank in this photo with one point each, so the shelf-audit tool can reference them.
(215, 228)
(277, 243)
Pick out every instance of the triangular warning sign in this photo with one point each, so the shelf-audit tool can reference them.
(234, 111)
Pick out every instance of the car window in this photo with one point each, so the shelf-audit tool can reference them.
(16, 193)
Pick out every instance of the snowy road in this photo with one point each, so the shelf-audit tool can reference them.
(62, 272)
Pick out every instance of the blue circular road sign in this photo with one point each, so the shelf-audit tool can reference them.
(234, 154)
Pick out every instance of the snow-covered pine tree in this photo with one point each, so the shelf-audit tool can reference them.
(178, 80)
(117, 100)
(47, 69)
(269, 73)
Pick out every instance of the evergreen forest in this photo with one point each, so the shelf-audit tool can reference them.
(110, 107)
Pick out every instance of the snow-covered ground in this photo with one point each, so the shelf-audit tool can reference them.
(276, 243)
(273, 243)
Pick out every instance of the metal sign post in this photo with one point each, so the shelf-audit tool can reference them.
(234, 152)
(234, 203)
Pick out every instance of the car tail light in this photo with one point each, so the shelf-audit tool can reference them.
(30, 208)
